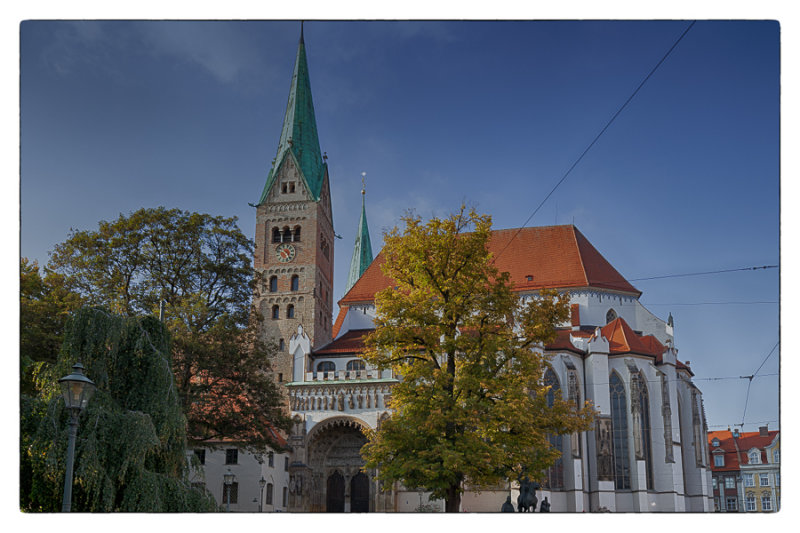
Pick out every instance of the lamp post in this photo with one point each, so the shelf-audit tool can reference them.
(261, 484)
(76, 389)
(228, 478)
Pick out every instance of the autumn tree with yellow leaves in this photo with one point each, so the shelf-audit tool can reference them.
(470, 406)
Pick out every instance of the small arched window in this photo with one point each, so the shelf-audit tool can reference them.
(611, 316)
(326, 366)
(276, 312)
(295, 282)
(276, 235)
(273, 284)
(290, 311)
(356, 364)
(269, 493)
(287, 234)
(284, 188)
(281, 345)
(296, 237)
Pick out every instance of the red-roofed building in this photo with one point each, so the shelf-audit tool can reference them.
(745, 470)
(648, 450)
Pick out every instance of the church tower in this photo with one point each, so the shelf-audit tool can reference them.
(362, 250)
(294, 231)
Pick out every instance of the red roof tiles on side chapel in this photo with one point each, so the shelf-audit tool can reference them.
(622, 339)
(551, 256)
(350, 342)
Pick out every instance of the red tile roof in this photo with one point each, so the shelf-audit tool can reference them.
(563, 342)
(552, 256)
(734, 458)
(575, 314)
(350, 342)
(622, 339)
(339, 320)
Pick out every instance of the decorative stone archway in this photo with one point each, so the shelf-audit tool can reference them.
(334, 460)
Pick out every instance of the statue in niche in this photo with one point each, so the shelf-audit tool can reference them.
(360, 401)
(369, 402)
(605, 470)
(340, 401)
(350, 401)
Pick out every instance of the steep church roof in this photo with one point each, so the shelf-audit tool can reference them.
(299, 134)
(536, 258)
(362, 250)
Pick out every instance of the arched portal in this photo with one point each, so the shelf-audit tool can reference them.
(334, 457)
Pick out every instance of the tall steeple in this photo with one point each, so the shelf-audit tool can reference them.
(362, 251)
(299, 137)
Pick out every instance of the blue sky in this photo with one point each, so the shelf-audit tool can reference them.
(121, 115)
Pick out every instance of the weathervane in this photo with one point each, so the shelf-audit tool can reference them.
(363, 183)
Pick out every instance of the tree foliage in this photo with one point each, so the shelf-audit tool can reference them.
(200, 265)
(45, 305)
(131, 446)
(470, 406)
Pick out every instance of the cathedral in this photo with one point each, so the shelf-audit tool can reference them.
(647, 450)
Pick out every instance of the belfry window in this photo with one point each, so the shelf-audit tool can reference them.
(619, 430)
(611, 316)
(289, 311)
(296, 236)
(273, 284)
(276, 312)
(295, 282)
(287, 234)
(276, 235)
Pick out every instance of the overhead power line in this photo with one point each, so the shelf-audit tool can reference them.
(597, 137)
(750, 379)
(765, 267)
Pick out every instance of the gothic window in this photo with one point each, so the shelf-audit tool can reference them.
(290, 311)
(273, 284)
(619, 430)
(287, 234)
(326, 366)
(296, 236)
(555, 474)
(276, 312)
(295, 282)
(356, 364)
(647, 447)
(269, 490)
(611, 316)
(276, 235)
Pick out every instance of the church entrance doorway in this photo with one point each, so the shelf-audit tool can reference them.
(359, 493)
(335, 490)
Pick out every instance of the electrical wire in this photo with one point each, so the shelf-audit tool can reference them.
(597, 137)
(750, 379)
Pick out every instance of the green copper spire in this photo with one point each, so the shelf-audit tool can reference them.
(362, 251)
(299, 137)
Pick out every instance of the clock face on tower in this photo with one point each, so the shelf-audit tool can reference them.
(285, 252)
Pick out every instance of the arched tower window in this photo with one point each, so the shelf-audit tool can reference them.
(296, 236)
(273, 284)
(611, 316)
(276, 312)
(619, 430)
(290, 311)
(326, 366)
(287, 234)
(276, 235)
(295, 282)
(647, 444)
(356, 364)
(281, 345)
(555, 474)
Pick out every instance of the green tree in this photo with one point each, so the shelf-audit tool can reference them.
(45, 305)
(470, 406)
(200, 265)
(130, 452)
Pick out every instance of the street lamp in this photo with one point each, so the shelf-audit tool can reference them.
(76, 389)
(261, 483)
(228, 478)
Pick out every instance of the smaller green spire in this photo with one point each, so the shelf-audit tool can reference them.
(362, 251)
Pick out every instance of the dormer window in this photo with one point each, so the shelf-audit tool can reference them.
(755, 457)
(719, 460)
(611, 316)
(715, 442)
